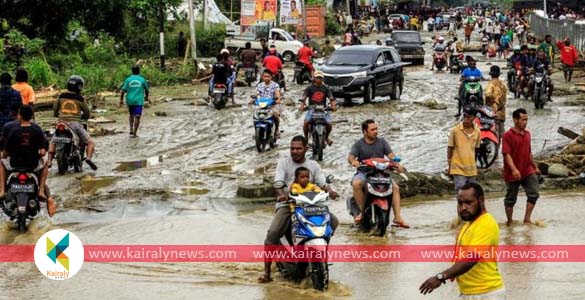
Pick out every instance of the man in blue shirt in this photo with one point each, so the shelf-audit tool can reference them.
(470, 71)
(10, 100)
(136, 89)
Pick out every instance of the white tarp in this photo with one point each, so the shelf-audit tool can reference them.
(214, 15)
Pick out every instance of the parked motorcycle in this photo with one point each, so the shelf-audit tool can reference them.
(21, 202)
(264, 124)
(457, 64)
(473, 92)
(69, 149)
(310, 230)
(487, 153)
(540, 88)
(318, 130)
(302, 73)
(378, 196)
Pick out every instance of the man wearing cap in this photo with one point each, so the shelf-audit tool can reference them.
(318, 93)
(10, 100)
(305, 55)
(464, 139)
(495, 98)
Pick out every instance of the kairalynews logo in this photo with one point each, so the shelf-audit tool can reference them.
(59, 254)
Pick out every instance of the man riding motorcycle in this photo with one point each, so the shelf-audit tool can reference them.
(440, 46)
(305, 55)
(542, 65)
(470, 71)
(318, 93)
(224, 73)
(370, 146)
(274, 64)
(267, 88)
(285, 172)
(72, 109)
(23, 145)
(248, 58)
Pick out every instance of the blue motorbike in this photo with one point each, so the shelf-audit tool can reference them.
(311, 230)
(264, 124)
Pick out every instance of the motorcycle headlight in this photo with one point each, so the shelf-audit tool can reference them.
(317, 230)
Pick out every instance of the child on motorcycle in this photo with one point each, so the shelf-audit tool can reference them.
(302, 183)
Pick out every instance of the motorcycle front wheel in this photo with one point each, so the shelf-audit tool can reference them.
(62, 163)
(382, 222)
(487, 154)
(258, 138)
(319, 273)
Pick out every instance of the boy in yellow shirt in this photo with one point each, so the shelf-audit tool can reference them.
(301, 183)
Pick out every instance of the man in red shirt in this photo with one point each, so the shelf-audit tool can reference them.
(305, 55)
(273, 63)
(569, 57)
(519, 166)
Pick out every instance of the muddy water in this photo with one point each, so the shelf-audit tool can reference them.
(176, 184)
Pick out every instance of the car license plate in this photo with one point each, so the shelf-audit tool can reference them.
(22, 188)
(298, 69)
(335, 88)
(408, 56)
(315, 210)
(61, 139)
(218, 91)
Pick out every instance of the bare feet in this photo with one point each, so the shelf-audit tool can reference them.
(528, 222)
(265, 278)
(400, 222)
(509, 223)
(329, 142)
(358, 219)
(51, 207)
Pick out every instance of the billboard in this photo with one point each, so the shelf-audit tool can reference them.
(290, 11)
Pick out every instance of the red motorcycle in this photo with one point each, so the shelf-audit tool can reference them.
(487, 153)
(378, 194)
(440, 61)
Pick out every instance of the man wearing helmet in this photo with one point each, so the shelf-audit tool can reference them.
(71, 108)
(305, 55)
(223, 72)
(273, 63)
(517, 60)
(439, 46)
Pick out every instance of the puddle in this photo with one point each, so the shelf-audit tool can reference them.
(90, 184)
(138, 164)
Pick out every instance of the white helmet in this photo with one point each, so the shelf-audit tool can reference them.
(441, 39)
(224, 50)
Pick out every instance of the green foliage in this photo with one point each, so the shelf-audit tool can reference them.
(39, 72)
(102, 50)
(31, 45)
(332, 27)
(210, 41)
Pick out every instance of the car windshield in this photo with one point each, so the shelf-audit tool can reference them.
(287, 36)
(349, 59)
(406, 37)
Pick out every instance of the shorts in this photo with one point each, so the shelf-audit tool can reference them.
(495, 295)
(461, 180)
(567, 68)
(309, 117)
(135, 110)
(8, 166)
(80, 131)
(530, 185)
(359, 176)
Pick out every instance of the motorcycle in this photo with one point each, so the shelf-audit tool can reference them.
(440, 61)
(250, 72)
(487, 153)
(512, 77)
(378, 197)
(264, 124)
(69, 149)
(302, 73)
(21, 202)
(540, 88)
(279, 78)
(220, 96)
(310, 230)
(457, 63)
(473, 92)
(318, 130)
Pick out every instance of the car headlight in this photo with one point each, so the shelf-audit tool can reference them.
(359, 74)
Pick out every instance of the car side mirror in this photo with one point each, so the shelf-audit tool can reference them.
(278, 185)
(379, 63)
(329, 179)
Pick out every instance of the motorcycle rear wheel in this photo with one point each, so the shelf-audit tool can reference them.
(22, 222)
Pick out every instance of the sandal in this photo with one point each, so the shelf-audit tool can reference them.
(91, 164)
(401, 224)
(358, 219)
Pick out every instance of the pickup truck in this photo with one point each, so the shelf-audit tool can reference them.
(284, 42)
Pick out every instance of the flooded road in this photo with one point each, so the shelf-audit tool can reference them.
(176, 184)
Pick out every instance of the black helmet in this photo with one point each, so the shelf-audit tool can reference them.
(495, 71)
(75, 84)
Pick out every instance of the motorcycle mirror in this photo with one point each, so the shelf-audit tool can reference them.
(397, 159)
(254, 97)
(278, 185)
(329, 179)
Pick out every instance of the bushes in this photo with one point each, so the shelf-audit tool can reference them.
(210, 41)
(39, 72)
(332, 27)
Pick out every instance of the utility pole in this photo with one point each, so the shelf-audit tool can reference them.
(304, 17)
(192, 31)
(545, 12)
(161, 29)
(205, 14)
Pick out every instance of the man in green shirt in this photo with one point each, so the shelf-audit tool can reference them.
(327, 49)
(135, 88)
(548, 48)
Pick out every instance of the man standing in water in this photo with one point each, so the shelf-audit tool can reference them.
(135, 88)
(519, 166)
(476, 279)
